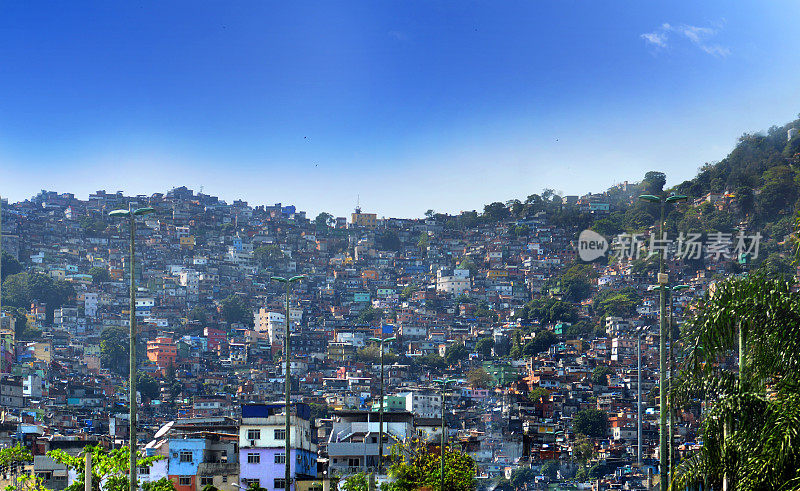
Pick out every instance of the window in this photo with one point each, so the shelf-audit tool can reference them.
(204, 480)
(247, 482)
(186, 456)
(224, 478)
(144, 471)
(185, 481)
(353, 462)
(280, 458)
(280, 434)
(253, 458)
(253, 434)
(280, 483)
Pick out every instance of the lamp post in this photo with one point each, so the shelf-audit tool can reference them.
(380, 341)
(131, 214)
(663, 279)
(639, 397)
(666, 290)
(443, 383)
(287, 347)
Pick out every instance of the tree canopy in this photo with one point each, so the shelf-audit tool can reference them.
(591, 422)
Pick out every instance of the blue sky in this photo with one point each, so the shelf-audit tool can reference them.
(409, 105)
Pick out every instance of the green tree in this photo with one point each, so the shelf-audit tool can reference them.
(16, 290)
(654, 182)
(268, 256)
(456, 353)
(479, 378)
(576, 282)
(372, 354)
(99, 275)
(109, 467)
(10, 265)
(550, 469)
(423, 241)
(114, 348)
(542, 341)
(484, 346)
(235, 308)
(495, 212)
(548, 311)
(539, 394)
(751, 427)
(583, 449)
(777, 265)
(422, 470)
(324, 221)
(148, 386)
(369, 315)
(600, 375)
(26, 482)
(356, 482)
(522, 477)
(591, 422)
(13, 458)
(618, 303)
(432, 361)
(198, 314)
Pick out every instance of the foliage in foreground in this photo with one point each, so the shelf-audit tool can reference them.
(751, 432)
(421, 469)
(109, 467)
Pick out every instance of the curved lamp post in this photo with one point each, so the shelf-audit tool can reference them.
(443, 383)
(662, 362)
(287, 351)
(380, 341)
(131, 215)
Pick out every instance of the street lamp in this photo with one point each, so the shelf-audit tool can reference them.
(131, 214)
(639, 332)
(380, 341)
(669, 290)
(663, 279)
(287, 351)
(443, 383)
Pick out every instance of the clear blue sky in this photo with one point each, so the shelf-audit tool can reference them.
(409, 104)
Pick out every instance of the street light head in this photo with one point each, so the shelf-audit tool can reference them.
(650, 197)
(297, 278)
(279, 278)
(653, 287)
(143, 211)
(681, 287)
(390, 339)
(376, 340)
(119, 213)
(672, 198)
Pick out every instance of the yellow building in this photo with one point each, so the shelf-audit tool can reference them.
(187, 242)
(43, 351)
(366, 220)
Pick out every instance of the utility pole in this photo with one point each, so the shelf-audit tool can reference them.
(132, 356)
(131, 214)
(287, 349)
(639, 400)
(381, 341)
(443, 383)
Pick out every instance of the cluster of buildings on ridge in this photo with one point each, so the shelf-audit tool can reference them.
(211, 412)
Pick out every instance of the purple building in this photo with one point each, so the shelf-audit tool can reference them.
(262, 439)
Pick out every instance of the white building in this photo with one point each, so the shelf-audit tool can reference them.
(454, 282)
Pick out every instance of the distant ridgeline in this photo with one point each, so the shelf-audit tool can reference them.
(756, 188)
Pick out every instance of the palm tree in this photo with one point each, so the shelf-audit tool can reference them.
(741, 354)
